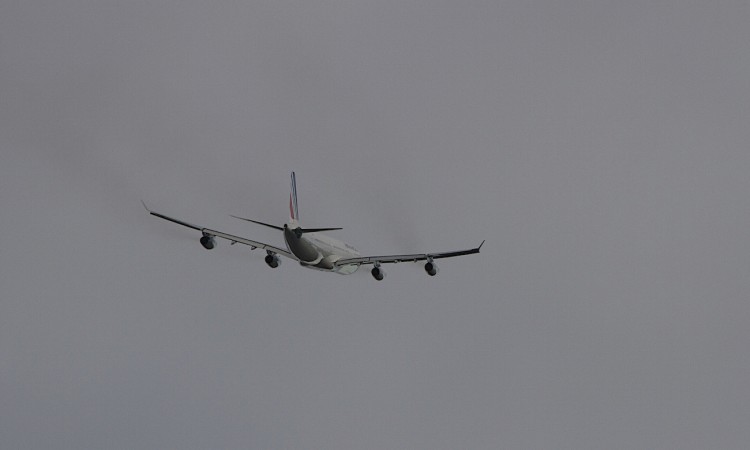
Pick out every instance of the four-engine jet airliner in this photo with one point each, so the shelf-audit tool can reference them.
(314, 250)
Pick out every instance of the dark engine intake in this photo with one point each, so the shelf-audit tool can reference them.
(377, 273)
(431, 268)
(273, 260)
(208, 242)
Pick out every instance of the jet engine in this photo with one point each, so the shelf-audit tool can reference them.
(377, 273)
(208, 242)
(431, 268)
(272, 259)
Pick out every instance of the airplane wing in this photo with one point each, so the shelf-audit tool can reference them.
(405, 258)
(230, 237)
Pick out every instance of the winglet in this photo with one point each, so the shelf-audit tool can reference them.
(144, 205)
(480, 246)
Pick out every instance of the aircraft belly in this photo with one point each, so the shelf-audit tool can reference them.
(347, 270)
(326, 263)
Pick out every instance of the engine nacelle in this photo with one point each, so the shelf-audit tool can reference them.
(208, 242)
(273, 260)
(378, 273)
(431, 268)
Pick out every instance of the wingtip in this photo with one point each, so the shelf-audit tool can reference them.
(144, 205)
(480, 246)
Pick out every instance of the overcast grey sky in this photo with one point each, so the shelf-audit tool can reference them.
(601, 148)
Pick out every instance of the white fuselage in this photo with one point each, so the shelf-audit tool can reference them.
(318, 251)
(311, 248)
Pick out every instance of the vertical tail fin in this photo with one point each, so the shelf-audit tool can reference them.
(293, 209)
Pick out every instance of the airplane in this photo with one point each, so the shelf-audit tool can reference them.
(314, 250)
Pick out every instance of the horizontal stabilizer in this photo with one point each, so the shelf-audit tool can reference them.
(298, 230)
(259, 223)
(317, 230)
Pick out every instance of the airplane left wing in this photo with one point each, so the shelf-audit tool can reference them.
(210, 233)
(405, 258)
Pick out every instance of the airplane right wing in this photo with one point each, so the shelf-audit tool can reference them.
(405, 258)
(430, 267)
